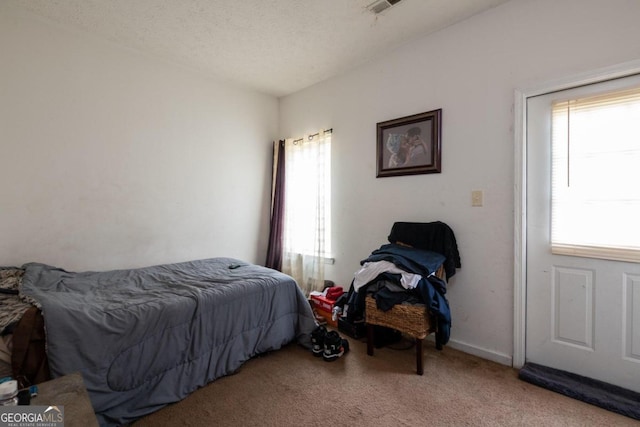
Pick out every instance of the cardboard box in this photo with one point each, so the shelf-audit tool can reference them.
(322, 303)
(327, 316)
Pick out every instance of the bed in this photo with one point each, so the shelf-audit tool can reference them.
(144, 338)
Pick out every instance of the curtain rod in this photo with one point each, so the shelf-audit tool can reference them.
(310, 137)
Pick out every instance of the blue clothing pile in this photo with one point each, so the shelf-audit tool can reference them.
(430, 289)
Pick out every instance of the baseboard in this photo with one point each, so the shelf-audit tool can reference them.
(494, 356)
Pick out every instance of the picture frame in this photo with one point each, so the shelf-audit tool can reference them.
(409, 145)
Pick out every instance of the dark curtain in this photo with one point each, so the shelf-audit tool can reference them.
(274, 250)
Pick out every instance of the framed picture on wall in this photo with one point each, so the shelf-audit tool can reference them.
(409, 145)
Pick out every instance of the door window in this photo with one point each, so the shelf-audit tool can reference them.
(595, 206)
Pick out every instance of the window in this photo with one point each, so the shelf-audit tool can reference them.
(307, 213)
(595, 206)
(308, 195)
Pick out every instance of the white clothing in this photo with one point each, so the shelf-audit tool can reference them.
(371, 270)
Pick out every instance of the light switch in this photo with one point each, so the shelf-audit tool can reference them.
(477, 198)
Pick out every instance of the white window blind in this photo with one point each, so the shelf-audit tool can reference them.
(595, 207)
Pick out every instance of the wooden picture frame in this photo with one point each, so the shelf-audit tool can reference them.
(410, 145)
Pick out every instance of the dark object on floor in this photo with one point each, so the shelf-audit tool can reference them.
(334, 346)
(355, 330)
(383, 336)
(317, 340)
(604, 395)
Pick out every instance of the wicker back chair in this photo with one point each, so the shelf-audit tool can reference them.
(413, 320)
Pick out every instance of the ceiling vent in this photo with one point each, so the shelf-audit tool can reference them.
(380, 5)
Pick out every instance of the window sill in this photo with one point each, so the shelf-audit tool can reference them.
(599, 252)
(327, 259)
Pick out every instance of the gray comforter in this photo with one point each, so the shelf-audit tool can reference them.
(147, 337)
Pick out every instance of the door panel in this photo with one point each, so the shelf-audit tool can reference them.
(631, 317)
(573, 310)
(582, 314)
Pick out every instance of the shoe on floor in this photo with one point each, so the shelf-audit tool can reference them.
(334, 346)
(317, 340)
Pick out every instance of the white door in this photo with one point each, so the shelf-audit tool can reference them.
(582, 313)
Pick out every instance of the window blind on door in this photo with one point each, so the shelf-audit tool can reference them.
(595, 206)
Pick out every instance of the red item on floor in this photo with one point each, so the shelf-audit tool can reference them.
(334, 292)
(322, 303)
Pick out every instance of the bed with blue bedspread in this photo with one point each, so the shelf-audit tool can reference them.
(144, 338)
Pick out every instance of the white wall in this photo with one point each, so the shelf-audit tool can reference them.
(470, 70)
(111, 159)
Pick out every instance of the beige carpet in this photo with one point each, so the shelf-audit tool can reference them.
(290, 387)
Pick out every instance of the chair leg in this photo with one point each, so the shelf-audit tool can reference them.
(419, 356)
(369, 339)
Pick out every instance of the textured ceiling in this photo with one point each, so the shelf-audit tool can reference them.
(274, 46)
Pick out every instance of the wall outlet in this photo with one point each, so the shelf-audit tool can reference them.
(477, 197)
